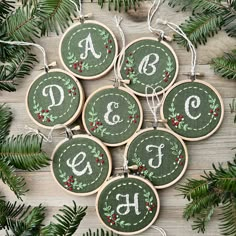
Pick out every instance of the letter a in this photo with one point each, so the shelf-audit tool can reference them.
(88, 47)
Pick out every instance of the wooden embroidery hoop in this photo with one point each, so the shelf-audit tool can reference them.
(95, 76)
(177, 137)
(123, 89)
(132, 177)
(100, 144)
(221, 103)
(79, 109)
(172, 51)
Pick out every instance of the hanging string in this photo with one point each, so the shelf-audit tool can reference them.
(161, 230)
(79, 10)
(19, 43)
(155, 102)
(156, 4)
(118, 20)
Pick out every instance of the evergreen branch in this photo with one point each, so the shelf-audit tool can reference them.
(5, 121)
(230, 23)
(98, 232)
(24, 152)
(68, 221)
(6, 81)
(225, 66)
(55, 14)
(22, 25)
(5, 8)
(199, 27)
(119, 4)
(15, 183)
(228, 217)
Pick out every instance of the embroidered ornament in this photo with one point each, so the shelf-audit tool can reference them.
(149, 62)
(81, 164)
(88, 50)
(194, 110)
(127, 205)
(161, 156)
(113, 115)
(54, 98)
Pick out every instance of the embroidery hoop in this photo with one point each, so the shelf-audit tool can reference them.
(79, 109)
(166, 45)
(177, 137)
(214, 90)
(132, 177)
(112, 87)
(99, 143)
(109, 67)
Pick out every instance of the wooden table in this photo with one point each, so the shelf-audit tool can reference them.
(215, 149)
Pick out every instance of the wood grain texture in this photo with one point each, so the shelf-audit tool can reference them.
(202, 154)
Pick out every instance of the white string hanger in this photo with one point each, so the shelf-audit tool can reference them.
(79, 10)
(154, 8)
(161, 230)
(20, 43)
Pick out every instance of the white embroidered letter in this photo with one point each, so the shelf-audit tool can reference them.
(74, 163)
(51, 95)
(194, 104)
(149, 148)
(115, 119)
(127, 205)
(145, 63)
(88, 47)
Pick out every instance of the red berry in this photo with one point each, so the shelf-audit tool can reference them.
(130, 53)
(181, 156)
(176, 159)
(135, 121)
(70, 189)
(109, 51)
(108, 217)
(75, 66)
(110, 41)
(74, 88)
(166, 80)
(69, 91)
(137, 116)
(131, 69)
(150, 209)
(43, 111)
(211, 111)
(109, 220)
(80, 71)
(130, 117)
(127, 72)
(96, 127)
(181, 163)
(91, 123)
(71, 177)
(92, 129)
(97, 160)
(216, 114)
(102, 161)
(48, 120)
(106, 46)
(72, 181)
(101, 155)
(173, 119)
(144, 168)
(176, 123)
(69, 185)
(74, 94)
(113, 215)
(113, 222)
(100, 123)
(127, 61)
(147, 204)
(97, 122)
(218, 109)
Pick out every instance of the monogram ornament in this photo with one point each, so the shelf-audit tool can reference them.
(54, 98)
(193, 110)
(161, 156)
(113, 115)
(127, 205)
(149, 62)
(80, 165)
(88, 50)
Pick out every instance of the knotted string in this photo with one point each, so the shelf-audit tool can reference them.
(161, 230)
(155, 102)
(154, 8)
(79, 10)
(20, 43)
(118, 20)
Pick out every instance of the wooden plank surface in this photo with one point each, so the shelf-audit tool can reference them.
(217, 148)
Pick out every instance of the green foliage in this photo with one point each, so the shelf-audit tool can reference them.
(5, 8)
(5, 121)
(67, 222)
(98, 232)
(118, 5)
(225, 66)
(216, 189)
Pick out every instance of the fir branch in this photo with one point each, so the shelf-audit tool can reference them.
(98, 232)
(6, 81)
(199, 27)
(68, 221)
(225, 66)
(5, 8)
(24, 152)
(55, 14)
(118, 5)
(22, 25)
(15, 183)
(5, 121)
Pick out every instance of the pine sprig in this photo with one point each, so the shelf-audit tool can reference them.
(24, 152)
(68, 221)
(98, 232)
(8, 176)
(5, 121)
(5, 7)
(225, 66)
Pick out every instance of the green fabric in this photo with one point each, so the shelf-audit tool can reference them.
(103, 45)
(114, 125)
(204, 114)
(135, 219)
(93, 176)
(40, 102)
(160, 73)
(159, 155)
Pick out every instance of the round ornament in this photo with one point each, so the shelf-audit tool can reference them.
(54, 98)
(194, 110)
(149, 62)
(161, 156)
(88, 50)
(80, 165)
(113, 115)
(127, 205)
